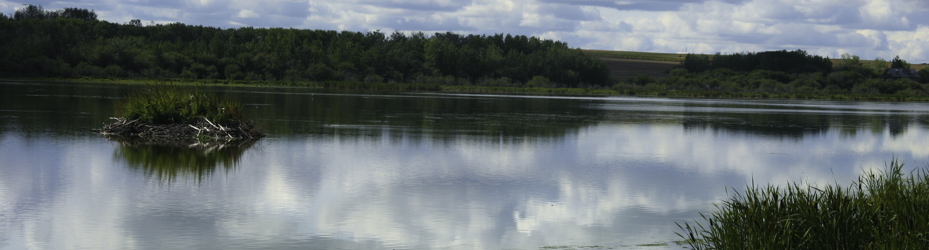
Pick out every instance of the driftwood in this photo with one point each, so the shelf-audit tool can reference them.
(200, 130)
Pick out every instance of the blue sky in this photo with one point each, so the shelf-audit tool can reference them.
(868, 28)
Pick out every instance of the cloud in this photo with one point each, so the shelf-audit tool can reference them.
(706, 26)
(419, 5)
(642, 5)
(248, 14)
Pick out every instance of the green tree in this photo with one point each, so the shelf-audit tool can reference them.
(898, 63)
(30, 12)
(850, 61)
(879, 65)
(44, 39)
(924, 75)
(81, 14)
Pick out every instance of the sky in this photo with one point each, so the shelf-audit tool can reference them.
(867, 28)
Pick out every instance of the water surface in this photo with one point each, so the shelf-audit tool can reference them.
(414, 171)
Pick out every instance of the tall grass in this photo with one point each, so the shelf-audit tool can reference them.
(886, 209)
(163, 104)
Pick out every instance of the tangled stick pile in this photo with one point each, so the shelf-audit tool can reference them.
(199, 130)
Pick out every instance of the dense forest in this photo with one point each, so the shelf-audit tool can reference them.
(73, 43)
(797, 61)
(791, 74)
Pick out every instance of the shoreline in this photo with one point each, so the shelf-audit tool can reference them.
(492, 90)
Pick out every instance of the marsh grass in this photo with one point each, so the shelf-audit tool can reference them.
(884, 209)
(164, 104)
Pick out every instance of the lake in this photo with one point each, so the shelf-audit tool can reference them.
(363, 170)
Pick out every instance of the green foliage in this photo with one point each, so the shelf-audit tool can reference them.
(37, 12)
(163, 104)
(898, 63)
(883, 210)
(697, 63)
(791, 62)
(879, 65)
(540, 82)
(850, 62)
(924, 75)
(196, 52)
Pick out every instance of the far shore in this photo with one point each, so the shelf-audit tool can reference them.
(494, 90)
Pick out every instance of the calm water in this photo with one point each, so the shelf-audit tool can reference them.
(414, 171)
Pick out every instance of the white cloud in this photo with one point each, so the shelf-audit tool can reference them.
(248, 14)
(910, 45)
(706, 26)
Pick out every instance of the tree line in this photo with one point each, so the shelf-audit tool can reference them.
(782, 72)
(74, 43)
(797, 61)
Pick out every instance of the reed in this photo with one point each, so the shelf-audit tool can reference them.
(165, 104)
(883, 209)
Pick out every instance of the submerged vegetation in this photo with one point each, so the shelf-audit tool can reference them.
(166, 113)
(883, 210)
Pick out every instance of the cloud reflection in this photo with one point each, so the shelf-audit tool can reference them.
(616, 181)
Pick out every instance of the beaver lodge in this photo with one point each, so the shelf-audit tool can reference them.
(171, 115)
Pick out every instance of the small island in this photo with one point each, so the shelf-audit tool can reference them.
(166, 114)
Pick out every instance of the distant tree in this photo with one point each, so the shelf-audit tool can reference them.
(30, 12)
(76, 13)
(898, 63)
(797, 61)
(697, 63)
(850, 61)
(879, 65)
(924, 75)
(102, 49)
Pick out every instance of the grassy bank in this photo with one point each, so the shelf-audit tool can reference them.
(883, 210)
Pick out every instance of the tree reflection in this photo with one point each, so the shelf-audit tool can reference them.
(168, 162)
(442, 116)
(796, 126)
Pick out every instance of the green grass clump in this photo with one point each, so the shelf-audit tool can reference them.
(165, 104)
(881, 210)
